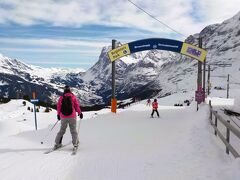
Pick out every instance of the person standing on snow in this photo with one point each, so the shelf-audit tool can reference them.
(155, 108)
(67, 107)
(148, 102)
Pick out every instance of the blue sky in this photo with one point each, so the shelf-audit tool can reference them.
(71, 33)
(51, 46)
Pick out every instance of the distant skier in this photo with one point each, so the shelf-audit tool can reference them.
(155, 107)
(67, 107)
(148, 102)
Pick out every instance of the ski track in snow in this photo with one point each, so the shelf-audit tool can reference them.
(130, 159)
(128, 145)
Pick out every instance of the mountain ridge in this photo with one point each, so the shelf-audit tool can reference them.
(144, 74)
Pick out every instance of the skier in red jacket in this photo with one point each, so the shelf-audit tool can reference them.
(155, 107)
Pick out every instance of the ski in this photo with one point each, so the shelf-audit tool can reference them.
(74, 151)
(50, 150)
(55, 149)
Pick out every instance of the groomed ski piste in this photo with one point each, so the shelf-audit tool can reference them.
(128, 145)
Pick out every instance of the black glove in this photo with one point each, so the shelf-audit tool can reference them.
(58, 117)
(81, 115)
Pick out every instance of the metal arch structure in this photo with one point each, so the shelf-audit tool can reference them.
(150, 44)
(160, 44)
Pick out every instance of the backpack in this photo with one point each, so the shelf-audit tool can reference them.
(66, 107)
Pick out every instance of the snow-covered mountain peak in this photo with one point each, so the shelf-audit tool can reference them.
(48, 73)
(14, 66)
(143, 74)
(159, 72)
(1, 56)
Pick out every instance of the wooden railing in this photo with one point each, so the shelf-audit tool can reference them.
(229, 127)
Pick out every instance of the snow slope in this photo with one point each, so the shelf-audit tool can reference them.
(128, 145)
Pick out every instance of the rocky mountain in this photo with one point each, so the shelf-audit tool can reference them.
(132, 73)
(18, 79)
(161, 73)
(144, 74)
(222, 42)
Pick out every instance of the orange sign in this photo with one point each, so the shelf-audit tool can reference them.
(114, 105)
(34, 95)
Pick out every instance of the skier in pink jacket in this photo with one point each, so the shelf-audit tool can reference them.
(67, 107)
(155, 108)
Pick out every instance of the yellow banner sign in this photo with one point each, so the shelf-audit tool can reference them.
(119, 52)
(194, 52)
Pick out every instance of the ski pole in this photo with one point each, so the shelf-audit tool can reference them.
(79, 129)
(54, 125)
(49, 131)
(79, 125)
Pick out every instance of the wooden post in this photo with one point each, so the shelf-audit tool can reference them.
(215, 132)
(210, 105)
(228, 138)
(228, 87)
(208, 81)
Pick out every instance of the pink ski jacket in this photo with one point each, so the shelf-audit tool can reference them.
(75, 106)
(155, 105)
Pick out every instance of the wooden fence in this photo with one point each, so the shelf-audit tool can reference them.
(229, 128)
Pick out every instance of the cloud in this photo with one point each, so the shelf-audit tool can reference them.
(48, 29)
(50, 62)
(52, 50)
(54, 42)
(216, 11)
(186, 16)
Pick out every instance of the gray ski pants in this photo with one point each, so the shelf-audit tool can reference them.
(73, 129)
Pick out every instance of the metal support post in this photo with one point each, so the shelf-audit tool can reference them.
(204, 79)
(35, 116)
(113, 100)
(199, 79)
